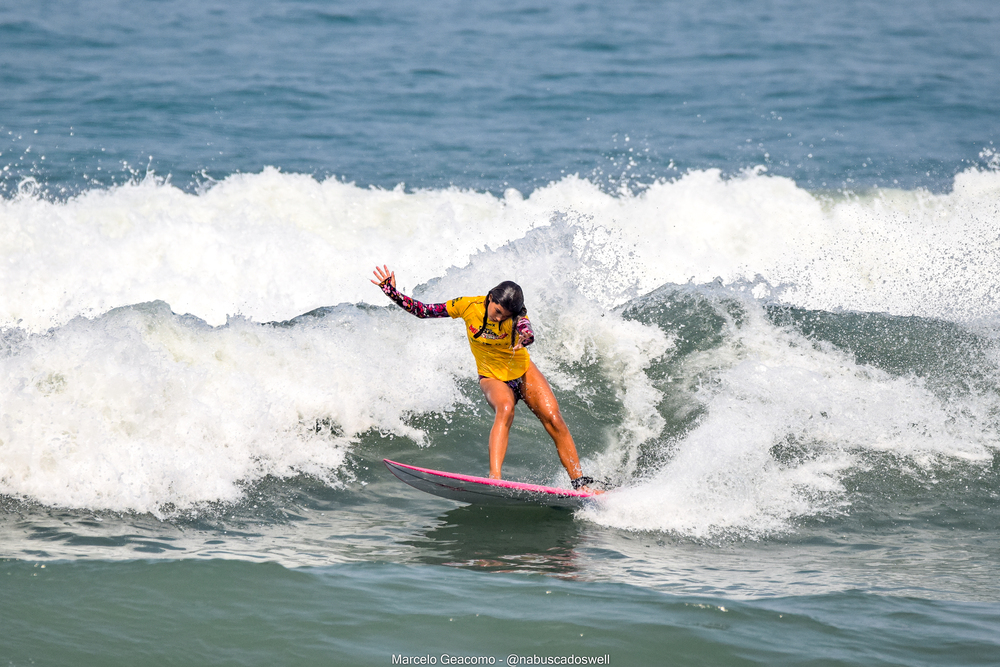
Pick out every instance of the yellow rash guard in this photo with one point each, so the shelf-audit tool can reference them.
(494, 355)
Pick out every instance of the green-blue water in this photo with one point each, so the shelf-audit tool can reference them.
(759, 252)
(224, 612)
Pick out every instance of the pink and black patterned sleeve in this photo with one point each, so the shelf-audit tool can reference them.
(524, 328)
(413, 306)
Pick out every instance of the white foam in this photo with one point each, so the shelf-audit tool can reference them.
(140, 409)
(271, 245)
(765, 387)
(900, 252)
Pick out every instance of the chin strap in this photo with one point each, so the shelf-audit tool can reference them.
(582, 480)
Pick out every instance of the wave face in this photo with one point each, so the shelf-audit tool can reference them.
(739, 354)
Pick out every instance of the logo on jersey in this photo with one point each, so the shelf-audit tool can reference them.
(487, 333)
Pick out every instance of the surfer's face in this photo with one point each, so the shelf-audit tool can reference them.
(496, 312)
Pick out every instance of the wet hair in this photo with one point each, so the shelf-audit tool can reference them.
(509, 296)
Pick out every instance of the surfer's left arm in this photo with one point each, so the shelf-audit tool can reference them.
(387, 283)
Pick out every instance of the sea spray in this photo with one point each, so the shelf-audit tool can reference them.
(271, 245)
(778, 420)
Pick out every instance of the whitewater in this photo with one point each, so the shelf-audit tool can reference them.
(271, 246)
(166, 349)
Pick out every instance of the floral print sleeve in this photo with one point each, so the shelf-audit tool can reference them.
(524, 328)
(415, 307)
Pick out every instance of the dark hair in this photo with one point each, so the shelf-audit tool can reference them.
(509, 296)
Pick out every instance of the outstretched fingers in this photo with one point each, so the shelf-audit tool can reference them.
(382, 274)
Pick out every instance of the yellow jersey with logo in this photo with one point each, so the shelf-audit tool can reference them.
(495, 357)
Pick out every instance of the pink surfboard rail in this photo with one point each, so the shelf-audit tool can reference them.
(485, 491)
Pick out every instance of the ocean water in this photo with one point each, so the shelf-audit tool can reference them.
(759, 247)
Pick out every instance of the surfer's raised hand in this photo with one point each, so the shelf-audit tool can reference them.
(384, 274)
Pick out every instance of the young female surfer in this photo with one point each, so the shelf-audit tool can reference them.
(498, 330)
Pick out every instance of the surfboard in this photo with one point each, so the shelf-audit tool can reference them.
(485, 491)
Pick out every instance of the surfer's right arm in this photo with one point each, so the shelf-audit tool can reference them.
(387, 283)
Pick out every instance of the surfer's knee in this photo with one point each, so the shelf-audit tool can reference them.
(505, 412)
(554, 421)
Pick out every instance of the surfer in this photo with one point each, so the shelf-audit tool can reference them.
(498, 330)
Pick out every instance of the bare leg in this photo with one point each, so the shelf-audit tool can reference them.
(501, 399)
(539, 397)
